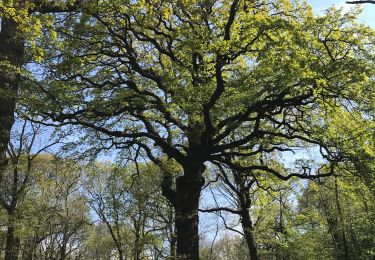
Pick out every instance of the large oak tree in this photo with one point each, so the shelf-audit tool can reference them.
(203, 82)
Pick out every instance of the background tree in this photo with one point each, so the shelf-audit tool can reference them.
(130, 206)
(99, 244)
(335, 218)
(227, 247)
(58, 230)
(261, 203)
(51, 216)
(15, 179)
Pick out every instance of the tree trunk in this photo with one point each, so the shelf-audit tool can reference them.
(173, 246)
(62, 252)
(120, 254)
(344, 249)
(332, 219)
(12, 244)
(280, 253)
(11, 59)
(29, 249)
(188, 190)
(247, 227)
(137, 249)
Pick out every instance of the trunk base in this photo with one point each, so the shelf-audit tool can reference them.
(188, 190)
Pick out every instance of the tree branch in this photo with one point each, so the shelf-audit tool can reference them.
(213, 210)
(44, 7)
(361, 2)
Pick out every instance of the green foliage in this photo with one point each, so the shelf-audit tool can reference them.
(128, 202)
(133, 70)
(50, 208)
(30, 28)
(227, 247)
(191, 82)
(334, 217)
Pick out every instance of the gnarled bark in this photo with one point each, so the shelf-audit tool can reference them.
(185, 200)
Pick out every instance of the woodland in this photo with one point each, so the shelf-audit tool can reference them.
(186, 129)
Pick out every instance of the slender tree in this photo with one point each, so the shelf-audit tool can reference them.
(131, 207)
(15, 180)
(240, 185)
(53, 215)
(334, 215)
(243, 190)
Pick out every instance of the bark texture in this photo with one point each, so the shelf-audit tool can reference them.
(11, 60)
(12, 242)
(188, 190)
(185, 200)
(247, 227)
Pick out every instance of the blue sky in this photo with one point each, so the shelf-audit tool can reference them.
(367, 16)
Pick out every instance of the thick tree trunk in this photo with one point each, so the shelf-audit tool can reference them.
(11, 59)
(188, 190)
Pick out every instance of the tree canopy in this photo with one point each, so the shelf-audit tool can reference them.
(198, 85)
